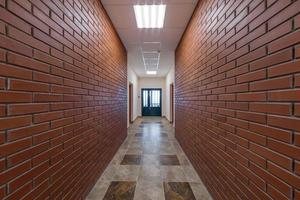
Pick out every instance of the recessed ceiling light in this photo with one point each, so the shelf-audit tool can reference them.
(151, 72)
(150, 16)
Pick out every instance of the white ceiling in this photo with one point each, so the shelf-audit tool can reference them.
(136, 41)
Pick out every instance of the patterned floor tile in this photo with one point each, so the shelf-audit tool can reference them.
(120, 190)
(178, 191)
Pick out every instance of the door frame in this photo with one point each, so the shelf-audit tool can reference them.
(171, 103)
(130, 103)
(142, 99)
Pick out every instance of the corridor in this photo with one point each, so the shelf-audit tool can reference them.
(149, 99)
(149, 165)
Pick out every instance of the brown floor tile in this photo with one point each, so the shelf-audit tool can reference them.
(168, 160)
(131, 160)
(120, 190)
(178, 191)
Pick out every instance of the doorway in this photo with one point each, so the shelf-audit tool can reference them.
(130, 102)
(171, 103)
(151, 102)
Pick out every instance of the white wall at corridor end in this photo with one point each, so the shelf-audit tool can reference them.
(133, 79)
(169, 80)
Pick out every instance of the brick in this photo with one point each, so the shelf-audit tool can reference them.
(284, 42)
(19, 109)
(47, 58)
(15, 122)
(13, 147)
(287, 13)
(47, 78)
(289, 123)
(38, 118)
(251, 136)
(15, 72)
(285, 68)
(27, 62)
(2, 110)
(284, 95)
(271, 155)
(54, 133)
(285, 149)
(275, 8)
(277, 32)
(2, 28)
(273, 192)
(279, 134)
(297, 51)
(272, 108)
(43, 15)
(269, 84)
(287, 176)
(14, 97)
(253, 76)
(249, 116)
(2, 83)
(47, 97)
(10, 18)
(20, 85)
(14, 172)
(18, 10)
(297, 21)
(24, 132)
(21, 156)
(272, 59)
(297, 109)
(27, 39)
(2, 55)
(253, 55)
(297, 139)
(15, 46)
(46, 39)
(253, 96)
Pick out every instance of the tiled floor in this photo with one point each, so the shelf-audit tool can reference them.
(150, 165)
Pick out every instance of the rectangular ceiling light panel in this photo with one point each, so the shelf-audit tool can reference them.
(150, 16)
(151, 72)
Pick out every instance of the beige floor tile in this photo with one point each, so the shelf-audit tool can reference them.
(127, 173)
(99, 190)
(172, 174)
(149, 190)
(200, 191)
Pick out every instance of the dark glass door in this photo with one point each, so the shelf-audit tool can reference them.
(151, 102)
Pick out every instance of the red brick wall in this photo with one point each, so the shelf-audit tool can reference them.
(238, 97)
(62, 97)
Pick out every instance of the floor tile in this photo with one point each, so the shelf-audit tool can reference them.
(150, 173)
(148, 190)
(200, 191)
(131, 160)
(127, 173)
(150, 159)
(190, 174)
(99, 190)
(168, 160)
(178, 191)
(172, 174)
(119, 190)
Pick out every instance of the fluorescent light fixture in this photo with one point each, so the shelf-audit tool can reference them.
(150, 16)
(151, 72)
